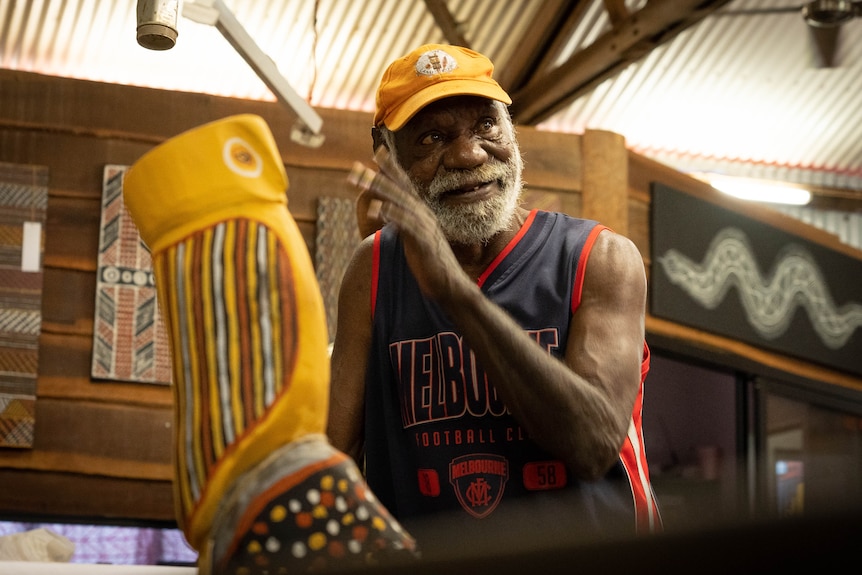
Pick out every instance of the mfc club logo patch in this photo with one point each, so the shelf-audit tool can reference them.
(479, 481)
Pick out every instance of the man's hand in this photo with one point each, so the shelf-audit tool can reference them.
(391, 199)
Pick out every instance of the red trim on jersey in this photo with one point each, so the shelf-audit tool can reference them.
(645, 362)
(634, 460)
(509, 247)
(375, 272)
(578, 288)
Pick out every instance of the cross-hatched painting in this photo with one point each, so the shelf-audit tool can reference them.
(129, 338)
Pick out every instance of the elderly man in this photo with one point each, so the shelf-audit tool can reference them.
(489, 360)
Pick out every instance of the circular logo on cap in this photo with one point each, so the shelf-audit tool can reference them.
(435, 62)
(241, 158)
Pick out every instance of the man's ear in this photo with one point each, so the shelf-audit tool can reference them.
(376, 138)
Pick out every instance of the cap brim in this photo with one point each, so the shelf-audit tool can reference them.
(438, 91)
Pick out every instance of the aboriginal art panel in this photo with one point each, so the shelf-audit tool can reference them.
(23, 206)
(129, 337)
(727, 273)
(336, 238)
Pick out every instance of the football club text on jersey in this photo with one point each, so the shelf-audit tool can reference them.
(469, 436)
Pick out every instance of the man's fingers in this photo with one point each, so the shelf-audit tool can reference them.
(361, 176)
(383, 158)
(379, 184)
(375, 208)
(389, 201)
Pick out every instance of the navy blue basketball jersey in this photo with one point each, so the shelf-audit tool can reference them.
(438, 438)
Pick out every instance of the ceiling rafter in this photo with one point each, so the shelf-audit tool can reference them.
(617, 11)
(642, 31)
(447, 23)
(556, 32)
(544, 35)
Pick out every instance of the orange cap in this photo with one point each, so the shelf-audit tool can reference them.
(430, 73)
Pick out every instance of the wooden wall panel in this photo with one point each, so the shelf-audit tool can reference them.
(54, 496)
(72, 226)
(68, 295)
(64, 373)
(76, 441)
(605, 190)
(638, 216)
(76, 158)
(307, 184)
(551, 160)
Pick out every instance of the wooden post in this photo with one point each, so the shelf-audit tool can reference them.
(605, 179)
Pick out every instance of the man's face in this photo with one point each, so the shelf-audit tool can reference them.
(462, 157)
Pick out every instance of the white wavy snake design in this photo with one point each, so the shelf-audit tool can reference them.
(769, 302)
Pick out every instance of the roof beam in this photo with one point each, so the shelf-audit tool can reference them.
(447, 23)
(549, 28)
(656, 23)
(617, 11)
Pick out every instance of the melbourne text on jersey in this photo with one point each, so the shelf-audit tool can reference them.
(440, 378)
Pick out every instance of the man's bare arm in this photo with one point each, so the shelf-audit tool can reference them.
(350, 355)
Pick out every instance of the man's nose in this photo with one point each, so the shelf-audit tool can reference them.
(466, 152)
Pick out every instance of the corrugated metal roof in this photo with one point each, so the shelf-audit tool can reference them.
(846, 226)
(736, 92)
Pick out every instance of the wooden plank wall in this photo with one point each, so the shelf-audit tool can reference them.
(103, 450)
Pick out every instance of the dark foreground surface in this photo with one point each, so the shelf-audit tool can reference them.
(827, 544)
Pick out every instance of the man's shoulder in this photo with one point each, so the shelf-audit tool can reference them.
(562, 221)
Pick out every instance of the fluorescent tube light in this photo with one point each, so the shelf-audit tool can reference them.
(759, 190)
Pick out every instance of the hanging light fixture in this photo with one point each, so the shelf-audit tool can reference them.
(157, 23)
(830, 13)
(157, 30)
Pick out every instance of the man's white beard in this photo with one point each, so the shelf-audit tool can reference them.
(477, 222)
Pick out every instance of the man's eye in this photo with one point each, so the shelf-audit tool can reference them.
(487, 125)
(432, 138)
